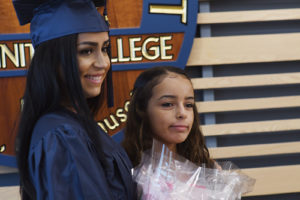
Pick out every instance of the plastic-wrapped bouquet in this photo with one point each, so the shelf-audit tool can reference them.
(165, 175)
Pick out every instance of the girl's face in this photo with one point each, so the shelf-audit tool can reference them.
(93, 61)
(170, 110)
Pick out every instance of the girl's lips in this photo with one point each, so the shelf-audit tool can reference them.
(179, 127)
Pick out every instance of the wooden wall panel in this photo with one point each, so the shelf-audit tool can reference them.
(9, 20)
(249, 16)
(245, 49)
(259, 55)
(11, 91)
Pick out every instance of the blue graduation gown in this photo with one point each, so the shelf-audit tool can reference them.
(63, 163)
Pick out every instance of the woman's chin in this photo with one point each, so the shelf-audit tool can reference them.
(92, 94)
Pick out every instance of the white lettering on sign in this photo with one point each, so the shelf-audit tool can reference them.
(115, 120)
(17, 55)
(134, 49)
(5, 52)
(164, 48)
(152, 48)
(120, 51)
(171, 10)
(2, 148)
(31, 49)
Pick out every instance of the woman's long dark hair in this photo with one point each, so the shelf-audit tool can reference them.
(138, 136)
(53, 78)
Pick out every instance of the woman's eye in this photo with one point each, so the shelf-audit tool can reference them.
(167, 104)
(86, 51)
(105, 49)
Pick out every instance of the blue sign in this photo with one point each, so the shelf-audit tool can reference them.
(164, 36)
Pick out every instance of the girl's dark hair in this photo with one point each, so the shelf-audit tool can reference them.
(53, 78)
(138, 136)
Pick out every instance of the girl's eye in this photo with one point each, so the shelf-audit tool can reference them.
(190, 105)
(86, 51)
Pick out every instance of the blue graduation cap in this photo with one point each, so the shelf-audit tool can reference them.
(52, 19)
(55, 18)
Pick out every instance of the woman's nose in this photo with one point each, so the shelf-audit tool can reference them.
(101, 60)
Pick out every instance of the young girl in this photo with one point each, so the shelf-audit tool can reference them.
(163, 107)
(61, 151)
(162, 113)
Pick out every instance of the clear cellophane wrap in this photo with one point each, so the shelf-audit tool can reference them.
(164, 175)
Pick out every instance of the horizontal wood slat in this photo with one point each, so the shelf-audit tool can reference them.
(246, 81)
(248, 16)
(225, 50)
(10, 193)
(251, 127)
(255, 150)
(6, 170)
(248, 104)
(275, 180)
(245, 49)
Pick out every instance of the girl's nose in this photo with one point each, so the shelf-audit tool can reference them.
(181, 112)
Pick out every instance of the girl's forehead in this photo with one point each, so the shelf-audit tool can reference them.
(174, 82)
(173, 77)
(170, 75)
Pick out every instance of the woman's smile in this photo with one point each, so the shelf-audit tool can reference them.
(95, 79)
(93, 61)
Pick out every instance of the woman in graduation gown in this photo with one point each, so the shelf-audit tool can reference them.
(61, 151)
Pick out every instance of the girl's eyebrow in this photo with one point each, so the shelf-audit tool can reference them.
(167, 96)
(190, 98)
(174, 97)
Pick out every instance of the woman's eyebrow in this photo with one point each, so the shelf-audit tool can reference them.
(93, 43)
(88, 43)
(106, 42)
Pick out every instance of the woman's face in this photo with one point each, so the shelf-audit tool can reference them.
(93, 60)
(170, 110)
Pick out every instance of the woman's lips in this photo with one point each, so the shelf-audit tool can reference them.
(94, 78)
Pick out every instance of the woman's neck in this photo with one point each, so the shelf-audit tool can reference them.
(67, 106)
